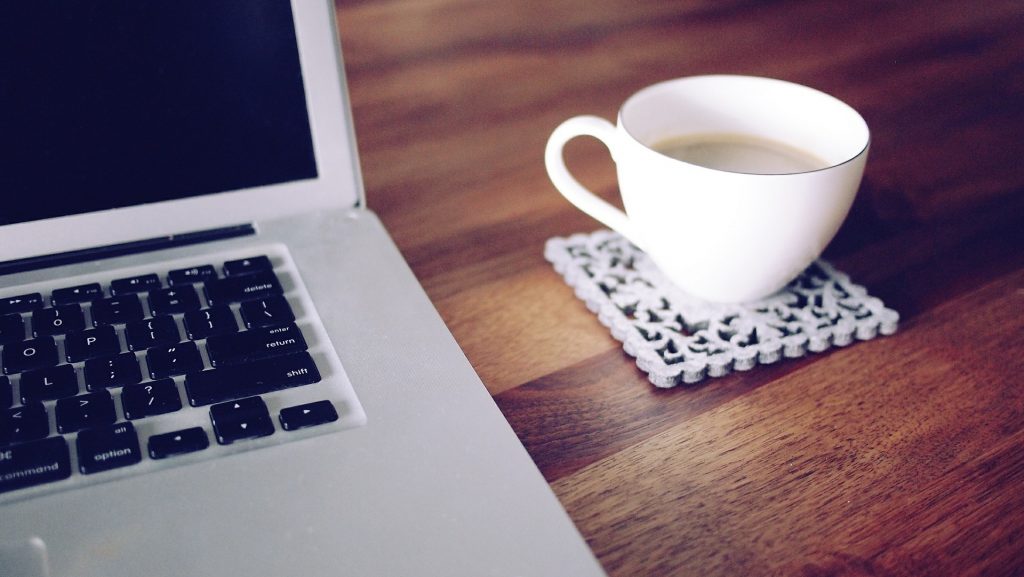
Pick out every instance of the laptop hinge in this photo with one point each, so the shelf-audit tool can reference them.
(122, 249)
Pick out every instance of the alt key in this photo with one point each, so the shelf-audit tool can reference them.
(107, 448)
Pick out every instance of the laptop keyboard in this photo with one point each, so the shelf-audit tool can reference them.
(130, 371)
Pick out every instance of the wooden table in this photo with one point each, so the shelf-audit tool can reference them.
(902, 455)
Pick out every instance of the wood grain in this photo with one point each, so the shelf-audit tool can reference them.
(899, 456)
(855, 462)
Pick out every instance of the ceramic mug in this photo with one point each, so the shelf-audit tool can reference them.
(733, 185)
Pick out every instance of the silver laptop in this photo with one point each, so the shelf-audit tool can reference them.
(214, 360)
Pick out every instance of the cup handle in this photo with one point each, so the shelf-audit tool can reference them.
(575, 192)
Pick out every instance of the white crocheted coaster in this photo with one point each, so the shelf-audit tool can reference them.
(678, 339)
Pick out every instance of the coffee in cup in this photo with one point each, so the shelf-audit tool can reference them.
(739, 153)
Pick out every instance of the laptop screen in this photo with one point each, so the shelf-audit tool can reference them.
(118, 103)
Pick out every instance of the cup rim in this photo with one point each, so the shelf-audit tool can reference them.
(710, 77)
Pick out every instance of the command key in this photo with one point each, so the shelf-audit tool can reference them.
(34, 463)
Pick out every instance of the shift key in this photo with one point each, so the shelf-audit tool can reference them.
(34, 463)
(256, 378)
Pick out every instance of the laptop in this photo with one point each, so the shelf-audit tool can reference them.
(214, 359)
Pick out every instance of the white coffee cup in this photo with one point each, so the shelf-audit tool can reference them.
(729, 232)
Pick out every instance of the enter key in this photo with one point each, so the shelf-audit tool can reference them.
(248, 346)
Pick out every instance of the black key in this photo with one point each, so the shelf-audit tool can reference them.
(115, 371)
(241, 419)
(216, 385)
(25, 423)
(57, 320)
(49, 383)
(267, 312)
(208, 322)
(242, 288)
(21, 303)
(34, 463)
(6, 393)
(91, 343)
(115, 310)
(107, 448)
(77, 294)
(153, 332)
(255, 344)
(30, 354)
(12, 329)
(178, 443)
(135, 284)
(177, 359)
(247, 265)
(191, 275)
(86, 411)
(148, 399)
(173, 300)
(308, 415)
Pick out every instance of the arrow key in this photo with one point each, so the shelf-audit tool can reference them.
(308, 415)
(242, 419)
(178, 443)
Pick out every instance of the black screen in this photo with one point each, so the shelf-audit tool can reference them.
(112, 103)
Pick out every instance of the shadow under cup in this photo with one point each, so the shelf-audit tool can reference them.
(729, 235)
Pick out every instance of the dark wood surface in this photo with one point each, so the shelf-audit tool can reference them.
(898, 456)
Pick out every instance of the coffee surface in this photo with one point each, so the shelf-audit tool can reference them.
(739, 153)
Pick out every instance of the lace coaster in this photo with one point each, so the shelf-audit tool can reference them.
(678, 339)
